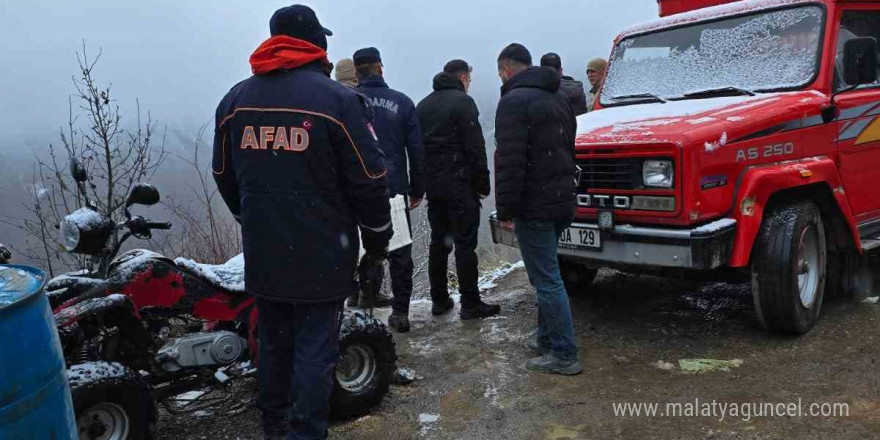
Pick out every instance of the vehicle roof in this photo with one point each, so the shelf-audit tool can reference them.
(713, 12)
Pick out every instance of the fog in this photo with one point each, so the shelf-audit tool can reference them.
(178, 58)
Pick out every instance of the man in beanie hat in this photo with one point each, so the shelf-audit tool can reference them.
(595, 73)
(457, 178)
(400, 139)
(570, 87)
(297, 164)
(345, 73)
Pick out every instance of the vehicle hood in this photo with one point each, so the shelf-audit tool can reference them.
(698, 121)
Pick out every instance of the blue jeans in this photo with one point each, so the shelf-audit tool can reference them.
(299, 348)
(538, 241)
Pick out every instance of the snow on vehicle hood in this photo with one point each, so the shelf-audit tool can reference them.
(696, 120)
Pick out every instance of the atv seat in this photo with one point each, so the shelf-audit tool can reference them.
(228, 276)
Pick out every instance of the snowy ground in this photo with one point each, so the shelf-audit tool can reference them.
(632, 331)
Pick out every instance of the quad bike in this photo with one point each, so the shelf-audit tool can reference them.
(140, 329)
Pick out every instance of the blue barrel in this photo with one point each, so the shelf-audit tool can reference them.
(35, 399)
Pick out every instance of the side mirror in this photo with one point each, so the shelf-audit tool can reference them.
(143, 194)
(78, 171)
(860, 61)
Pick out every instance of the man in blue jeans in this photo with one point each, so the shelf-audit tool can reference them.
(536, 188)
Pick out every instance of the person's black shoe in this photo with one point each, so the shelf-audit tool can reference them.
(380, 301)
(399, 322)
(441, 307)
(481, 310)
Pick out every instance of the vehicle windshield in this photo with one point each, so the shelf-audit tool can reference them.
(771, 50)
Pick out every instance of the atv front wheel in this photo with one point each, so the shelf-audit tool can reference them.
(367, 362)
(111, 402)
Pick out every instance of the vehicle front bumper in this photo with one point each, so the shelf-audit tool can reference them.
(706, 247)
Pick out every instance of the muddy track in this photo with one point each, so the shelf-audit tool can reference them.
(474, 386)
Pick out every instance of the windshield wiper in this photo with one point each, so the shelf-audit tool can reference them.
(719, 91)
(640, 97)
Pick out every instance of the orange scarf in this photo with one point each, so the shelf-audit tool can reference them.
(285, 52)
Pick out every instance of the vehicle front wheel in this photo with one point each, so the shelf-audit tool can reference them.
(366, 365)
(789, 268)
(111, 402)
(576, 276)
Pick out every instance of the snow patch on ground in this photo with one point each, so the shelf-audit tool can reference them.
(490, 279)
(428, 423)
(191, 395)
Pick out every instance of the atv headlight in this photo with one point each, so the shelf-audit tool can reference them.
(85, 231)
(69, 235)
(658, 173)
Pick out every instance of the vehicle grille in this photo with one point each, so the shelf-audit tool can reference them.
(605, 173)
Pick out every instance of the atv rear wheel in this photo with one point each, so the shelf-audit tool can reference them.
(367, 362)
(789, 268)
(111, 402)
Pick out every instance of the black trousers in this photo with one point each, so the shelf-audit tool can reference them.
(299, 349)
(455, 223)
(400, 264)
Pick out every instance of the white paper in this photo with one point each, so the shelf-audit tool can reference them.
(401, 236)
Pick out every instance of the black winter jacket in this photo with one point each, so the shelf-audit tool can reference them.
(455, 151)
(295, 161)
(574, 92)
(535, 171)
(396, 125)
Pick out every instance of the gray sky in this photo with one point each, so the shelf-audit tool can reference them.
(180, 57)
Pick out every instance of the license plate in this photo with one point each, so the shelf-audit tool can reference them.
(574, 238)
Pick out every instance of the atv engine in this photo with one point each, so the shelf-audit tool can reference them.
(201, 350)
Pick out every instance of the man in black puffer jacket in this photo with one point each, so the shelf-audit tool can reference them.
(457, 178)
(536, 187)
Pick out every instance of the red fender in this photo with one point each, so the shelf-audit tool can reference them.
(760, 183)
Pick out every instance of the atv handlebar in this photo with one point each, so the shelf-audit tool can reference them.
(158, 225)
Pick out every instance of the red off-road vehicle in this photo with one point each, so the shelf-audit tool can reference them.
(736, 139)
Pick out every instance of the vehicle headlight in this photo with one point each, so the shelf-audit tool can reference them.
(69, 235)
(658, 173)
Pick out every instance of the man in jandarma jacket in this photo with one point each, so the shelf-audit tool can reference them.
(536, 187)
(400, 140)
(297, 163)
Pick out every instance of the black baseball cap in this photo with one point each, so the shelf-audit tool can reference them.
(298, 21)
(367, 55)
(457, 66)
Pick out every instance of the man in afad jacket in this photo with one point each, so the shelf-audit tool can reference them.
(536, 189)
(400, 139)
(457, 178)
(297, 164)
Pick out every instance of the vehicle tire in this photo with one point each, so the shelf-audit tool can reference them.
(789, 268)
(576, 276)
(111, 402)
(367, 363)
